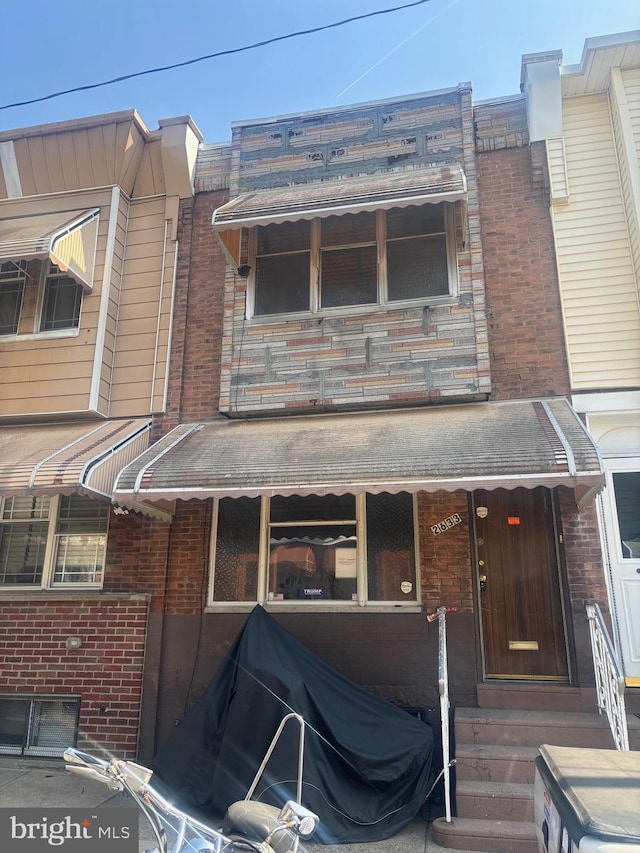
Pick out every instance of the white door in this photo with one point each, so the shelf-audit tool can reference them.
(620, 517)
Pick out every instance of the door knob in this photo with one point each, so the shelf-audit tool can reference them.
(483, 581)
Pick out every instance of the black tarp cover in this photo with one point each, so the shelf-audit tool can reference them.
(365, 786)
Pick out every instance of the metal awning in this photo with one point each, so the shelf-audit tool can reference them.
(431, 184)
(66, 458)
(470, 446)
(318, 199)
(67, 239)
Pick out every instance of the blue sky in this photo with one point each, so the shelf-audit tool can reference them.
(435, 45)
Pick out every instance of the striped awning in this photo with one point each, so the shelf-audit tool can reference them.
(334, 197)
(66, 458)
(430, 184)
(67, 239)
(470, 446)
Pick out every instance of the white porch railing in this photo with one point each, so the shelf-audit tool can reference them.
(609, 677)
(443, 689)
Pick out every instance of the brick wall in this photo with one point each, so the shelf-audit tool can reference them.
(585, 575)
(193, 391)
(445, 559)
(106, 672)
(526, 338)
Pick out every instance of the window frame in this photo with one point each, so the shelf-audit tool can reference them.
(613, 466)
(49, 561)
(361, 602)
(31, 317)
(315, 263)
(19, 277)
(48, 275)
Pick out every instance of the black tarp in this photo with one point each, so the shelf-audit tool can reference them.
(367, 763)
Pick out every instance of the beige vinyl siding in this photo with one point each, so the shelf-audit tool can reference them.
(557, 170)
(45, 374)
(631, 85)
(597, 281)
(150, 176)
(144, 316)
(106, 357)
(83, 157)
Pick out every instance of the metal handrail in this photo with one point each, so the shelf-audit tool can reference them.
(609, 677)
(443, 690)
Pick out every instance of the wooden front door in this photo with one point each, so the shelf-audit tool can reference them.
(518, 579)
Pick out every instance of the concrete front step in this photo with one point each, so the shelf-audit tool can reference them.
(492, 836)
(488, 763)
(506, 801)
(531, 728)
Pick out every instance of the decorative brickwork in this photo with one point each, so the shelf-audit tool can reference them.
(360, 357)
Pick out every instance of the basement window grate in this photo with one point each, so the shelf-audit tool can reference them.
(38, 726)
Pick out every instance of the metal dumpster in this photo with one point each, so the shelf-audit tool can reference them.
(587, 800)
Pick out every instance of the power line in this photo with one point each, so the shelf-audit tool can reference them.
(214, 55)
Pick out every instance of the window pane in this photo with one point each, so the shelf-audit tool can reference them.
(79, 559)
(26, 508)
(627, 493)
(390, 548)
(414, 221)
(313, 508)
(237, 550)
(349, 277)
(22, 549)
(14, 722)
(287, 237)
(311, 558)
(61, 305)
(12, 278)
(348, 230)
(417, 268)
(80, 540)
(77, 511)
(282, 284)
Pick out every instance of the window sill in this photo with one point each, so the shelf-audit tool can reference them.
(350, 310)
(15, 594)
(40, 336)
(308, 607)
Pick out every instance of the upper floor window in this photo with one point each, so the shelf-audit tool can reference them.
(37, 297)
(315, 549)
(61, 301)
(12, 281)
(383, 257)
(52, 541)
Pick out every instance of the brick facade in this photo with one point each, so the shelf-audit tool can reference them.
(526, 337)
(363, 357)
(271, 368)
(105, 672)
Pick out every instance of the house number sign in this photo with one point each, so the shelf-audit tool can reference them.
(446, 524)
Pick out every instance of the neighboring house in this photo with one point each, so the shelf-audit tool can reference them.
(368, 407)
(88, 253)
(588, 117)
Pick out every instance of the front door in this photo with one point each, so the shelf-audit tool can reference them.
(518, 579)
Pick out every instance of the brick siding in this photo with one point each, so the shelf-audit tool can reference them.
(526, 339)
(106, 672)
